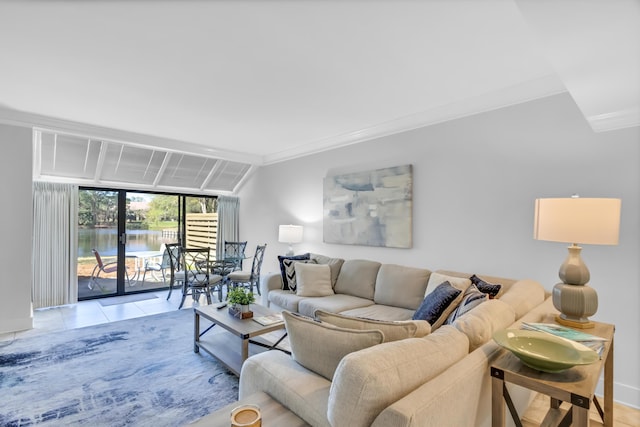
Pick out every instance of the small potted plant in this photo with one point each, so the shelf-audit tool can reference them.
(240, 298)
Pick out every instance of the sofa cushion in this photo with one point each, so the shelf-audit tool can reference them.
(380, 312)
(437, 305)
(313, 280)
(480, 323)
(335, 264)
(285, 299)
(392, 331)
(401, 286)
(523, 295)
(435, 279)
(334, 303)
(319, 346)
(358, 278)
(290, 272)
(373, 378)
(283, 270)
(471, 298)
(488, 288)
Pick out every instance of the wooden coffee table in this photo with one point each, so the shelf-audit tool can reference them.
(231, 346)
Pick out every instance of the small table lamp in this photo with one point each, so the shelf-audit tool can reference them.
(575, 220)
(290, 234)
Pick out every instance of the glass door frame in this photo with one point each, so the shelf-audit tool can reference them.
(121, 285)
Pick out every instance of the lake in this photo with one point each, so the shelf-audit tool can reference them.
(105, 240)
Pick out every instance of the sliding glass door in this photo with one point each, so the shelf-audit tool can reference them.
(122, 235)
(98, 221)
(153, 220)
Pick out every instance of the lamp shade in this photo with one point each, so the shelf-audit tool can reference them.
(578, 220)
(290, 234)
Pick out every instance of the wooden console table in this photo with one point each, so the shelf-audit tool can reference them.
(575, 385)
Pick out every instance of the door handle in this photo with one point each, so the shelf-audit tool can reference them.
(123, 238)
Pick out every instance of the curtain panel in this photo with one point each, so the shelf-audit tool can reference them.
(55, 224)
(228, 223)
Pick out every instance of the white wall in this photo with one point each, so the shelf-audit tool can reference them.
(15, 219)
(475, 182)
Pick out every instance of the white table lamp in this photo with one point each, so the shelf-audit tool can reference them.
(290, 234)
(577, 221)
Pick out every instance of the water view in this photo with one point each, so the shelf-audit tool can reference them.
(105, 240)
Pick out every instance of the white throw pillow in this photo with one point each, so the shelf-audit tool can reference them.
(313, 280)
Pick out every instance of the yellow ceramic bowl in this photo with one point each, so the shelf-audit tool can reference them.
(543, 351)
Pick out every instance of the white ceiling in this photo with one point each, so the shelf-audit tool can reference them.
(264, 81)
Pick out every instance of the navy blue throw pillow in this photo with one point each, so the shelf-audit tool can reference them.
(283, 269)
(485, 287)
(436, 303)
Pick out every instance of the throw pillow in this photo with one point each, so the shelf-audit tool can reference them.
(334, 263)
(313, 280)
(281, 258)
(289, 268)
(436, 278)
(437, 305)
(471, 298)
(392, 330)
(320, 347)
(488, 288)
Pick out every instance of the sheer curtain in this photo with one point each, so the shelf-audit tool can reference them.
(55, 224)
(228, 222)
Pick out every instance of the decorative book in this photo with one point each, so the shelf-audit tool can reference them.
(269, 320)
(594, 342)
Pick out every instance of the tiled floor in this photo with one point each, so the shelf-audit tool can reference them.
(89, 313)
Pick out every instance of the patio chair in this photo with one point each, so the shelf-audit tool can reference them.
(154, 267)
(101, 267)
(249, 279)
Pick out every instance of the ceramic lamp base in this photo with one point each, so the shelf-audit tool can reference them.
(575, 304)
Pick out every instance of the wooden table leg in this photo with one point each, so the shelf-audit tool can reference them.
(580, 416)
(608, 388)
(245, 349)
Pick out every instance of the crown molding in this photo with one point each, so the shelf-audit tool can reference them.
(542, 87)
(616, 120)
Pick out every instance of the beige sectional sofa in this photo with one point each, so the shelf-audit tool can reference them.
(440, 379)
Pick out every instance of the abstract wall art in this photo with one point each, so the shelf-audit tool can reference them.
(371, 208)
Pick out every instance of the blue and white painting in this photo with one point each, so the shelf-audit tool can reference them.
(371, 208)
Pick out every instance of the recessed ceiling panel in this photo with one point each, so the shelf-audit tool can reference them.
(186, 171)
(124, 163)
(227, 176)
(69, 156)
(93, 161)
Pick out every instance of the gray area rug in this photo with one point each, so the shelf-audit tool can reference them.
(139, 372)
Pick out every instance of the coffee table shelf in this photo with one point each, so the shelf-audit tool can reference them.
(240, 339)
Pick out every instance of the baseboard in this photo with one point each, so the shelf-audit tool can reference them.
(622, 393)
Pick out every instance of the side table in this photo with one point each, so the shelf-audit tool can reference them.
(575, 385)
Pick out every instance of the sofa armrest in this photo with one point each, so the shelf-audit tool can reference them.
(269, 282)
(303, 392)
